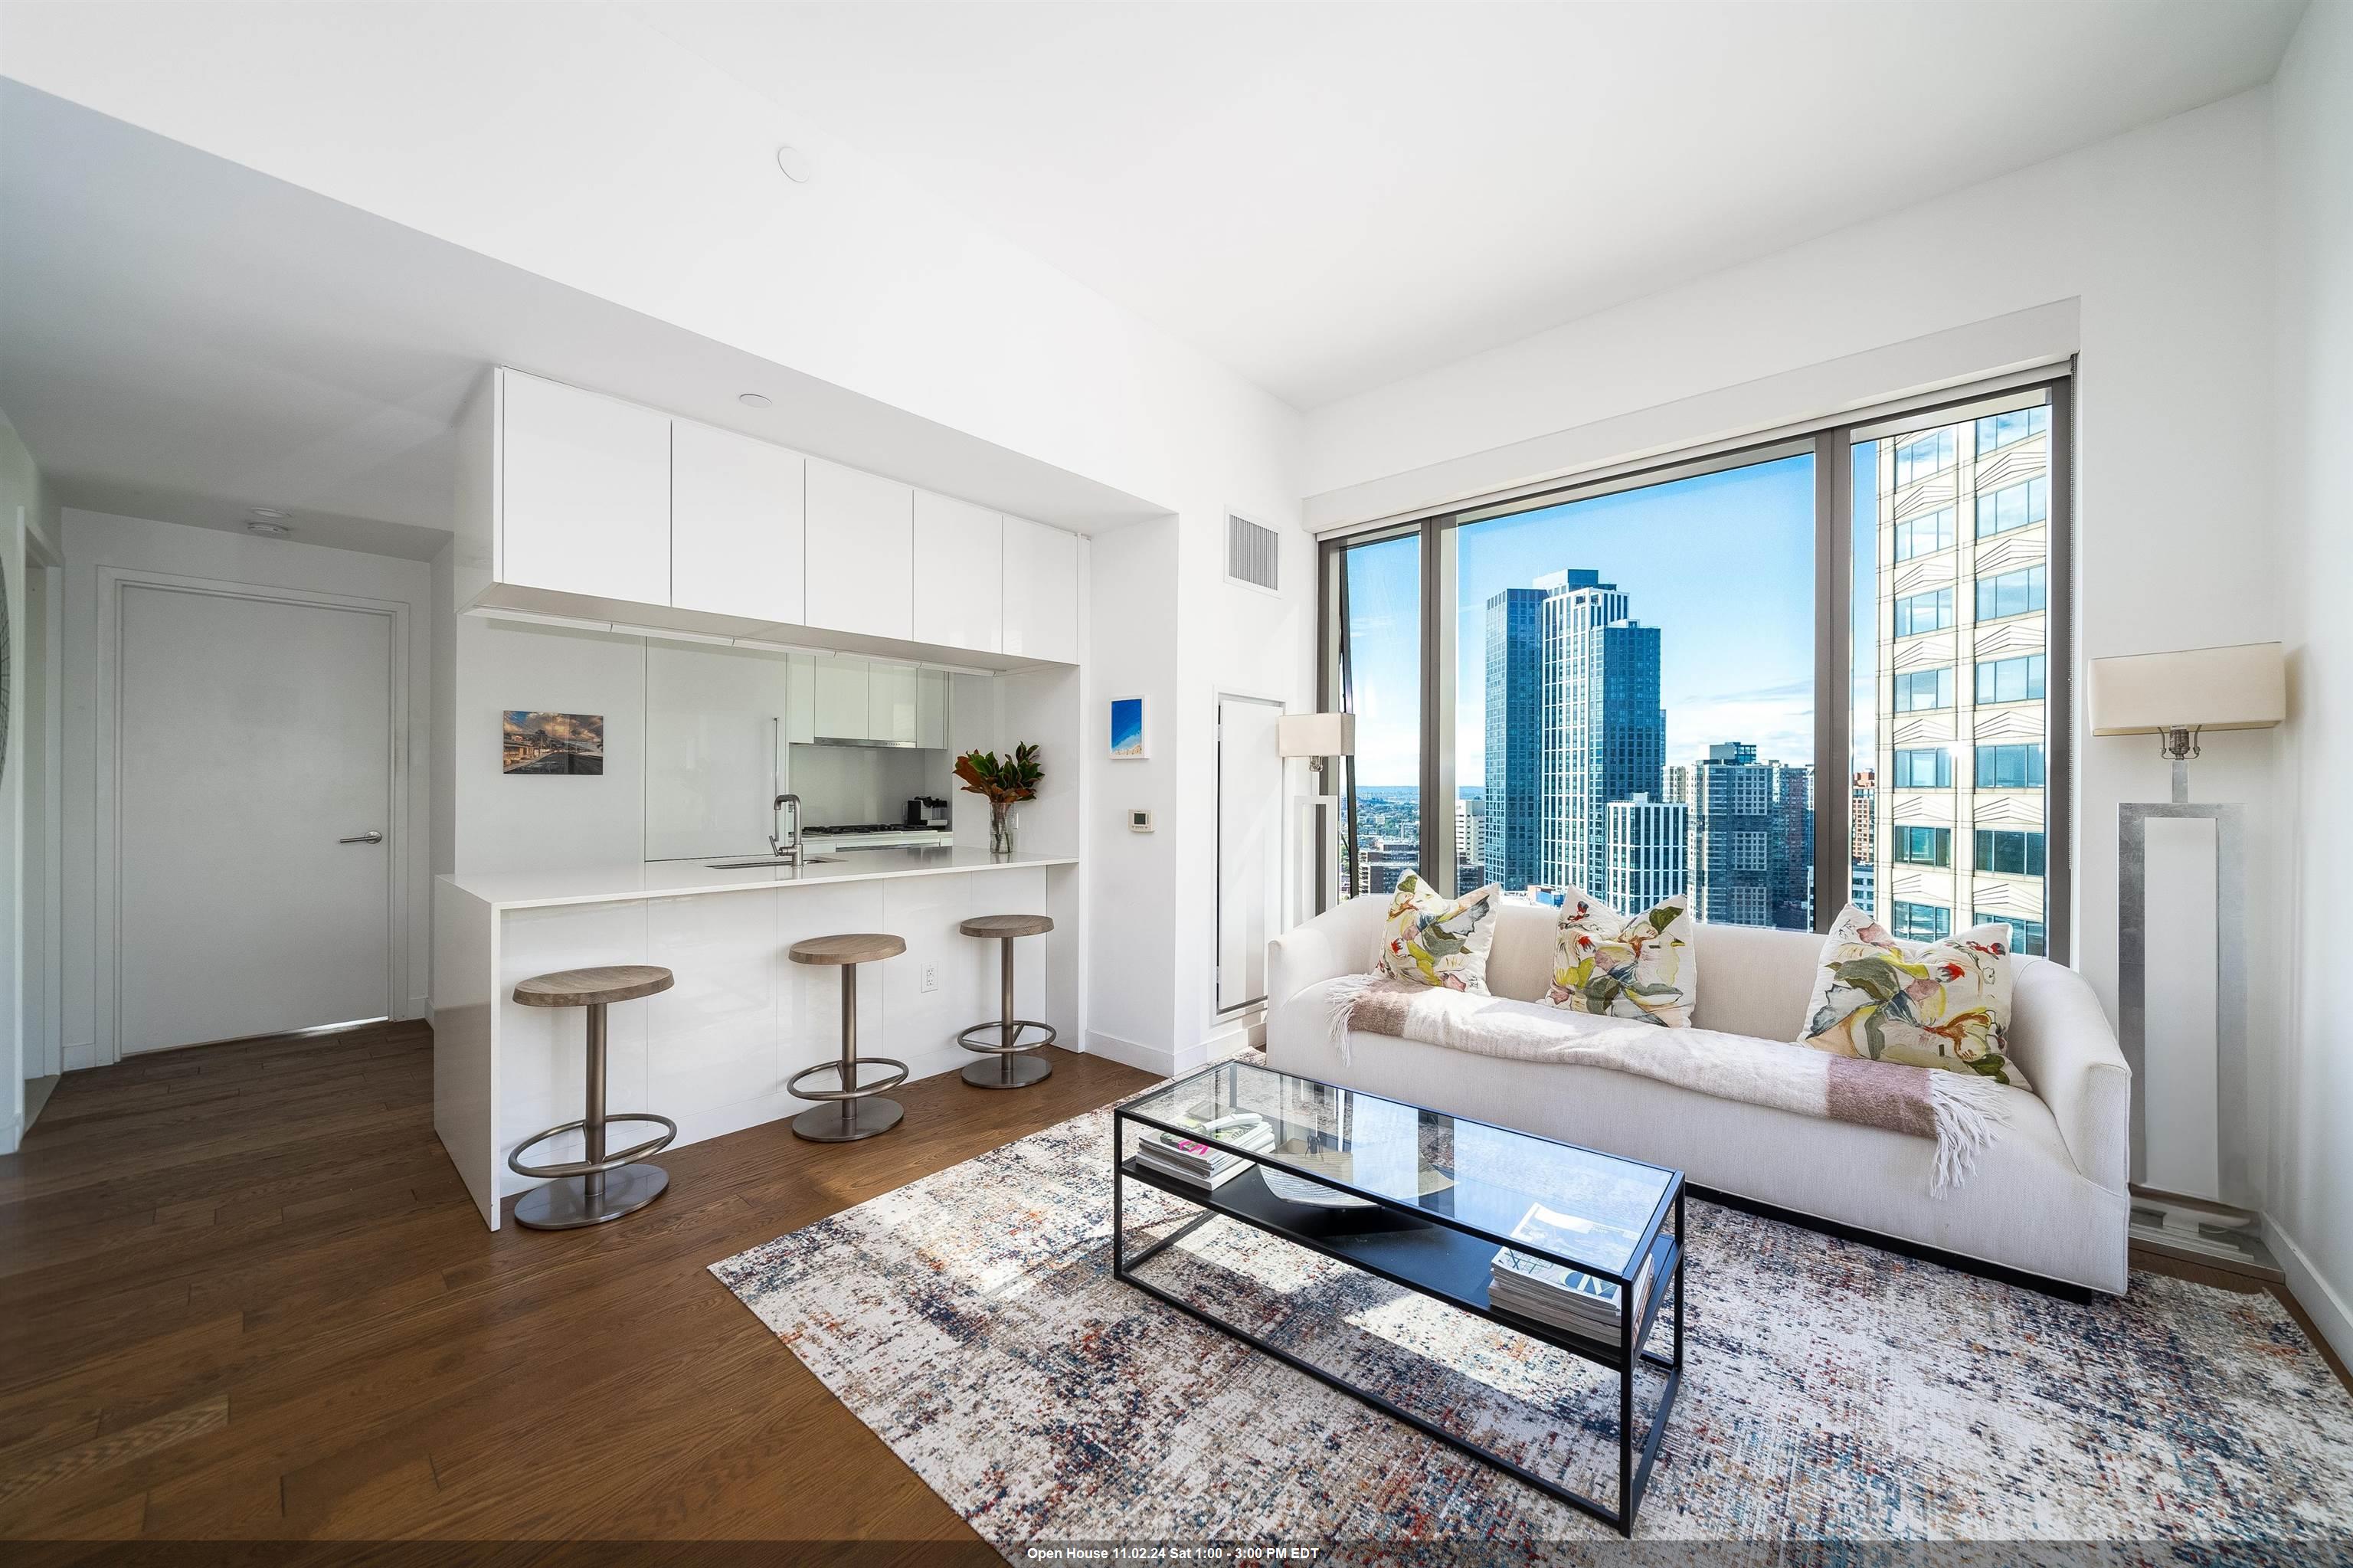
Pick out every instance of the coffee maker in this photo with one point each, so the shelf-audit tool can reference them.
(928, 811)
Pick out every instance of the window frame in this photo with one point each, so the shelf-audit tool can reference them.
(1831, 442)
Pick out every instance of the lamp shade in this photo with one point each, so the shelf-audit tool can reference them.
(2241, 687)
(1316, 735)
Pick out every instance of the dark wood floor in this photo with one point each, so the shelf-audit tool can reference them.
(243, 1293)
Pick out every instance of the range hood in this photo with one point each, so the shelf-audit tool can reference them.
(868, 744)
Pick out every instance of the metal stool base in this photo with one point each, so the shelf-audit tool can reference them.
(846, 1121)
(564, 1205)
(1007, 1072)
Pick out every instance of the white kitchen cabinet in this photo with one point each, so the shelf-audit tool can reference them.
(1042, 591)
(842, 711)
(800, 700)
(859, 552)
(932, 709)
(736, 524)
(891, 703)
(711, 759)
(959, 580)
(583, 504)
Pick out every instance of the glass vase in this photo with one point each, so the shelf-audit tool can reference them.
(1000, 827)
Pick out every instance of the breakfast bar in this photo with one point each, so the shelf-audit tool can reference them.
(713, 1054)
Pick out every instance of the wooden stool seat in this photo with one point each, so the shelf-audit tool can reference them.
(858, 948)
(594, 987)
(1007, 926)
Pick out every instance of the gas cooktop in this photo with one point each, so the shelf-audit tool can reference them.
(847, 829)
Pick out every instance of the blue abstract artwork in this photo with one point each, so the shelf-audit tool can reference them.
(1127, 728)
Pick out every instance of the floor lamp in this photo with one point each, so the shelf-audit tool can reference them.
(2175, 696)
(1318, 738)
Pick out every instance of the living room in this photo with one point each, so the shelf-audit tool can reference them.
(1439, 672)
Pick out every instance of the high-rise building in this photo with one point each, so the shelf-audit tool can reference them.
(1604, 734)
(1862, 835)
(1751, 837)
(1510, 830)
(1961, 626)
(1469, 863)
(1647, 845)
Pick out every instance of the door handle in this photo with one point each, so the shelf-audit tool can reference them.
(363, 838)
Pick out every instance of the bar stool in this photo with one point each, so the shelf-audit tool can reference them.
(1012, 1070)
(600, 1187)
(862, 1112)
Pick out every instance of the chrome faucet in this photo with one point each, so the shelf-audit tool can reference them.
(787, 850)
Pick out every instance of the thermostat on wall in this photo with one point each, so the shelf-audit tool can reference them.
(1139, 821)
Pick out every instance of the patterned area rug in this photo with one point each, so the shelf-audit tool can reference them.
(1833, 1392)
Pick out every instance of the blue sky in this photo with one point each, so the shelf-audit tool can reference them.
(1722, 564)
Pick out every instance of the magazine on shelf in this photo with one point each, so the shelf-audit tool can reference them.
(1555, 1293)
(1205, 1159)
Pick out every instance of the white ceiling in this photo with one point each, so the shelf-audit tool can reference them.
(1328, 196)
(184, 339)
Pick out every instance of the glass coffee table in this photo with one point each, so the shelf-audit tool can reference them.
(1426, 1200)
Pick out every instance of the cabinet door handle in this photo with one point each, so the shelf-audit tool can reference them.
(363, 838)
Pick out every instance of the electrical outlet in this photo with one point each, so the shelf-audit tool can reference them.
(930, 978)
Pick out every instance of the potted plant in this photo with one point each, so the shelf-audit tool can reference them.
(1003, 780)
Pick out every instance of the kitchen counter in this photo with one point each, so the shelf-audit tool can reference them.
(673, 878)
(713, 1053)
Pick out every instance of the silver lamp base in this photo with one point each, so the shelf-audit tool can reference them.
(2202, 1232)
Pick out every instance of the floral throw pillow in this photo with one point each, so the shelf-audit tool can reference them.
(1626, 966)
(1931, 1004)
(1438, 940)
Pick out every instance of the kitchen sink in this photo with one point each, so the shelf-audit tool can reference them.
(769, 861)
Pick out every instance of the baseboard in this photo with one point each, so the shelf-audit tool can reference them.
(2321, 1301)
(80, 1055)
(1158, 1060)
(12, 1133)
(418, 1007)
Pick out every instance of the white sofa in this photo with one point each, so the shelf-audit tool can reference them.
(2048, 1199)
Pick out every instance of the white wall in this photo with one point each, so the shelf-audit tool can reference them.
(92, 540)
(2311, 1197)
(2149, 254)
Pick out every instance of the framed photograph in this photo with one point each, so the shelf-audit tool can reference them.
(551, 742)
(1127, 742)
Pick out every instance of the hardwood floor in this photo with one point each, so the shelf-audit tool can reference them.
(243, 1293)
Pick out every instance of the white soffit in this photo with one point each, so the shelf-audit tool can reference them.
(1330, 197)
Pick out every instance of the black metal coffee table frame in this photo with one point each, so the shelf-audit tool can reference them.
(1454, 1271)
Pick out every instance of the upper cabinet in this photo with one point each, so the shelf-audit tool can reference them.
(591, 510)
(1042, 591)
(583, 493)
(959, 585)
(736, 524)
(861, 552)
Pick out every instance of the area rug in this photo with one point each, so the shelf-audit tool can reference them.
(1833, 1392)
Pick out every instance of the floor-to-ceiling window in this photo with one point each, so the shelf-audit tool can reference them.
(1380, 587)
(1613, 686)
(1952, 637)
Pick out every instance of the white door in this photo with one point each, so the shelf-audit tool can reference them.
(583, 493)
(254, 736)
(712, 767)
(1249, 845)
(735, 525)
(860, 543)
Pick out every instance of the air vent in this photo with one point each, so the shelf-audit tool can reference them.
(1250, 553)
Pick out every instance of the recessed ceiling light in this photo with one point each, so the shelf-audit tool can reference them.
(752, 399)
(268, 514)
(268, 530)
(797, 165)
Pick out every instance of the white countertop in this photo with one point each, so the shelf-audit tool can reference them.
(671, 879)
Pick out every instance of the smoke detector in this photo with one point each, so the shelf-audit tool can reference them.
(260, 523)
(752, 399)
(797, 165)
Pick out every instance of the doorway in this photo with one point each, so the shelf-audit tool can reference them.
(1249, 845)
(256, 812)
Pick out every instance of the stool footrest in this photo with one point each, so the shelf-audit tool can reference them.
(591, 1167)
(850, 1090)
(1002, 1029)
